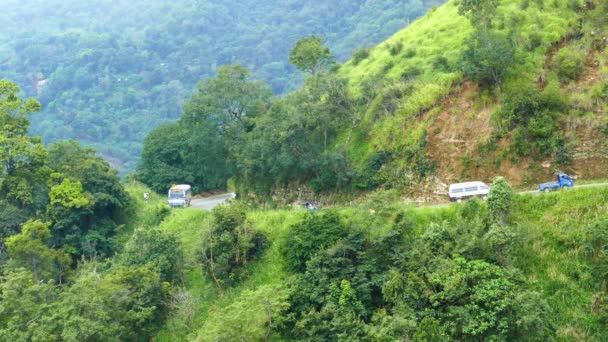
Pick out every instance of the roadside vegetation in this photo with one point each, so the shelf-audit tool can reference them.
(471, 90)
(520, 267)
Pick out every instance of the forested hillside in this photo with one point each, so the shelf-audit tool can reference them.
(108, 73)
(514, 268)
(471, 90)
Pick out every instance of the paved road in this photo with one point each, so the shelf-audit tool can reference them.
(533, 192)
(210, 202)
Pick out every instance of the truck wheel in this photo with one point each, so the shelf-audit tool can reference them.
(547, 190)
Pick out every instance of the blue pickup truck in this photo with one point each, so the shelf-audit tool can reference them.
(563, 181)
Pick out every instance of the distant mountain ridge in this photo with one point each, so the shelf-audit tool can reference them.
(108, 74)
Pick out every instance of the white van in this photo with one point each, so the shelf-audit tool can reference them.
(461, 191)
(180, 195)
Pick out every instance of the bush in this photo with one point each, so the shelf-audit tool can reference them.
(410, 53)
(569, 63)
(487, 57)
(395, 49)
(440, 63)
(309, 236)
(230, 244)
(360, 55)
(153, 246)
(500, 201)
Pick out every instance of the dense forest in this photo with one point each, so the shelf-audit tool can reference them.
(108, 74)
(474, 89)
(471, 89)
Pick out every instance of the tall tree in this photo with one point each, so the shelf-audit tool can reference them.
(310, 55)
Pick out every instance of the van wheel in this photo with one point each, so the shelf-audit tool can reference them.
(459, 200)
(485, 198)
(547, 190)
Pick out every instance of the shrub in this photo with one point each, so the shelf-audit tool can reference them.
(500, 201)
(410, 53)
(360, 55)
(395, 49)
(410, 73)
(309, 236)
(230, 244)
(487, 57)
(440, 63)
(153, 246)
(569, 63)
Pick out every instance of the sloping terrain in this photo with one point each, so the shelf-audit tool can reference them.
(107, 74)
(427, 107)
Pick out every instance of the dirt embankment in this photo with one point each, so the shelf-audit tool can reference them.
(459, 130)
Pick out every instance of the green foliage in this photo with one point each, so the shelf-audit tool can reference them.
(480, 12)
(20, 154)
(229, 244)
(29, 249)
(500, 201)
(360, 55)
(255, 315)
(68, 195)
(488, 57)
(124, 304)
(314, 233)
(196, 150)
(535, 116)
(309, 55)
(109, 75)
(26, 306)
(152, 246)
(569, 63)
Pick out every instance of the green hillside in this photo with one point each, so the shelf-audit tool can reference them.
(550, 254)
(107, 74)
(471, 90)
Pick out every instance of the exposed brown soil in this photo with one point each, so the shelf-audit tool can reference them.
(462, 126)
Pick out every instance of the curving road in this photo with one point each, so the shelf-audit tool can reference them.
(533, 192)
(211, 202)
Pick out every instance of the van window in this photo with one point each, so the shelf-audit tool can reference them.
(472, 188)
(484, 187)
(456, 190)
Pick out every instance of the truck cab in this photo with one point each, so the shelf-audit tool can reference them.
(563, 181)
(180, 195)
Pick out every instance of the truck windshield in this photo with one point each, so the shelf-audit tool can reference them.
(176, 195)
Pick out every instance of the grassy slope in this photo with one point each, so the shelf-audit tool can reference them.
(548, 249)
(452, 116)
(550, 227)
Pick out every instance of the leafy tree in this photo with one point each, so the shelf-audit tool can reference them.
(124, 304)
(480, 12)
(488, 56)
(20, 154)
(500, 201)
(28, 249)
(309, 55)
(165, 160)
(25, 306)
(310, 236)
(15, 144)
(87, 200)
(229, 97)
(197, 150)
(157, 248)
(255, 315)
(229, 244)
